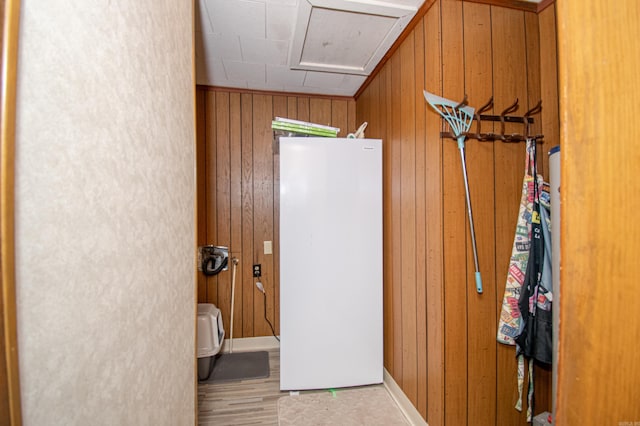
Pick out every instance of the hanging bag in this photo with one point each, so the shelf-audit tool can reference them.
(535, 340)
(509, 323)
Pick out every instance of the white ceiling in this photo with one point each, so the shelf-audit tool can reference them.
(257, 44)
(247, 43)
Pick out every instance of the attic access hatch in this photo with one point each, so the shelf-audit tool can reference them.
(348, 37)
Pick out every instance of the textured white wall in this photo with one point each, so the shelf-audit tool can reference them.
(105, 212)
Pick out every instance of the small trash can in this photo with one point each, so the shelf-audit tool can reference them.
(542, 419)
(210, 336)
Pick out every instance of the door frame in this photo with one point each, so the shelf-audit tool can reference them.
(9, 372)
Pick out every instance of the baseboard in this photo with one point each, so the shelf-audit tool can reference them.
(407, 408)
(245, 344)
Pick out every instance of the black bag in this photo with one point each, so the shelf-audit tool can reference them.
(535, 337)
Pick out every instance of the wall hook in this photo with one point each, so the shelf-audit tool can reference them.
(477, 116)
(527, 123)
(464, 103)
(511, 108)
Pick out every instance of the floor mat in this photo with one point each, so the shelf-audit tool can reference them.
(230, 367)
(360, 406)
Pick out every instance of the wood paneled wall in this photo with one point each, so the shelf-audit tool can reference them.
(10, 398)
(238, 190)
(440, 335)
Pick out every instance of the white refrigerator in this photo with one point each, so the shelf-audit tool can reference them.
(330, 263)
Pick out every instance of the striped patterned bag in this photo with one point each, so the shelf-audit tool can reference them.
(509, 323)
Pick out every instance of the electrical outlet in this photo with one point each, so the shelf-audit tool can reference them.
(257, 270)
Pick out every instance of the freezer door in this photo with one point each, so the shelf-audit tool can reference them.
(330, 263)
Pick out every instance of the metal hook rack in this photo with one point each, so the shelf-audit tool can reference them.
(503, 118)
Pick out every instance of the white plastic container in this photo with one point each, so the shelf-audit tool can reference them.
(209, 339)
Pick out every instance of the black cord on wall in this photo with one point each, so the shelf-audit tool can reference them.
(267, 319)
(264, 293)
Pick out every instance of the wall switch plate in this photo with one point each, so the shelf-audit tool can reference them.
(257, 270)
(268, 247)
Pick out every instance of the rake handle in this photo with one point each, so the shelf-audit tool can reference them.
(471, 227)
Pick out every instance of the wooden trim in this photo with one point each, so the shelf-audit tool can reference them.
(249, 344)
(510, 4)
(420, 216)
(454, 226)
(271, 93)
(197, 125)
(434, 225)
(481, 309)
(544, 4)
(598, 369)
(400, 398)
(11, 20)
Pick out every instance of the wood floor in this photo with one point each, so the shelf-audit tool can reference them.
(250, 402)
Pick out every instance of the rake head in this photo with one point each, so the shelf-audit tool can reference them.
(458, 117)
